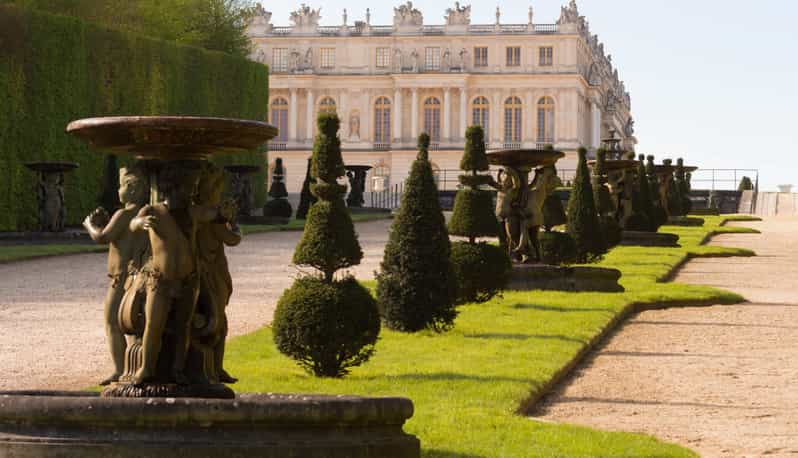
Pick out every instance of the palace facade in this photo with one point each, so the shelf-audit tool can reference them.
(527, 84)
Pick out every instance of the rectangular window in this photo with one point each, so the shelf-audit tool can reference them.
(513, 56)
(383, 57)
(280, 59)
(546, 56)
(327, 57)
(481, 56)
(432, 59)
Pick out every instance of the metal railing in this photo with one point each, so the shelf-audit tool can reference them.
(425, 30)
(723, 179)
(390, 198)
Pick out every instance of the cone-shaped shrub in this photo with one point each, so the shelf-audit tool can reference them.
(659, 215)
(642, 205)
(673, 196)
(306, 199)
(583, 218)
(279, 205)
(473, 214)
(745, 184)
(604, 203)
(683, 188)
(327, 326)
(416, 287)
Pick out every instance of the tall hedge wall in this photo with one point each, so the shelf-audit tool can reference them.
(55, 69)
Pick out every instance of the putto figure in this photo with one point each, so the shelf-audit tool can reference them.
(126, 253)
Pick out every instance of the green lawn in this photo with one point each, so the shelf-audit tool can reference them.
(299, 224)
(468, 385)
(11, 253)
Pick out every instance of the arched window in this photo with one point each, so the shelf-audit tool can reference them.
(480, 114)
(432, 118)
(382, 120)
(546, 120)
(512, 120)
(279, 118)
(327, 105)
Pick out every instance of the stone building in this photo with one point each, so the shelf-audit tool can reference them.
(528, 84)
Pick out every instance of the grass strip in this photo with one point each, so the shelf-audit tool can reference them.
(299, 224)
(22, 252)
(468, 385)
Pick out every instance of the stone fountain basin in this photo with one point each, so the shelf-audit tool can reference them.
(530, 277)
(59, 424)
(616, 165)
(664, 170)
(525, 157)
(172, 137)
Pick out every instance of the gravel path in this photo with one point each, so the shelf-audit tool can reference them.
(719, 380)
(51, 326)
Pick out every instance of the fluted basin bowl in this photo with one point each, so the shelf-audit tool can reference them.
(172, 137)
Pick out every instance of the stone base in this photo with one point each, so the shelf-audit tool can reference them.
(168, 390)
(685, 221)
(658, 239)
(528, 277)
(60, 424)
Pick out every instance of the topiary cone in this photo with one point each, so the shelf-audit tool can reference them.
(583, 221)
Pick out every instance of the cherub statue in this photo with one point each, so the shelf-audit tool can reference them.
(170, 278)
(50, 193)
(126, 253)
(216, 284)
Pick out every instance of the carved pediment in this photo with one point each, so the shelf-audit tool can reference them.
(407, 16)
(459, 15)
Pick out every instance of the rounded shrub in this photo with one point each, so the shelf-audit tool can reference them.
(557, 248)
(472, 215)
(583, 219)
(745, 184)
(416, 287)
(327, 327)
(482, 271)
(278, 208)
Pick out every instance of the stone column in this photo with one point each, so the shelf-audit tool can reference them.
(463, 113)
(447, 116)
(528, 120)
(497, 118)
(414, 114)
(311, 108)
(595, 126)
(397, 116)
(292, 117)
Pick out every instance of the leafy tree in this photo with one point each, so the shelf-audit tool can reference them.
(327, 326)
(416, 287)
(583, 218)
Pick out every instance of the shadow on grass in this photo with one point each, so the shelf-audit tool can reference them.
(451, 377)
(434, 453)
(500, 336)
(553, 308)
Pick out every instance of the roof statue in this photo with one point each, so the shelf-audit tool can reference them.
(569, 14)
(260, 23)
(306, 19)
(406, 16)
(459, 15)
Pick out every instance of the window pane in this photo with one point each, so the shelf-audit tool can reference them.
(432, 59)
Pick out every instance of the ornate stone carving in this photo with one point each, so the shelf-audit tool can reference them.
(629, 128)
(569, 14)
(354, 126)
(305, 19)
(260, 24)
(407, 17)
(459, 15)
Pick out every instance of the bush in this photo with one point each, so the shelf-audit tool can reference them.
(683, 188)
(613, 234)
(416, 286)
(659, 216)
(481, 270)
(583, 221)
(306, 199)
(745, 184)
(55, 69)
(327, 327)
(557, 248)
(553, 212)
(604, 203)
(278, 208)
(643, 218)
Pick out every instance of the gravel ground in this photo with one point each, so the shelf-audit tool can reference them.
(719, 380)
(51, 325)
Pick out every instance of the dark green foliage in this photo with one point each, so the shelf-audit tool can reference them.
(109, 198)
(583, 219)
(643, 213)
(416, 285)
(745, 184)
(472, 215)
(604, 203)
(682, 189)
(612, 230)
(327, 327)
(277, 189)
(553, 212)
(306, 198)
(672, 196)
(474, 158)
(557, 248)
(659, 215)
(56, 69)
(278, 208)
(482, 271)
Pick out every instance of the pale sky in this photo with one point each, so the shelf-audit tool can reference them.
(711, 80)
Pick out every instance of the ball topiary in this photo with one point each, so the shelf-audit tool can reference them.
(557, 248)
(481, 270)
(583, 220)
(416, 286)
(327, 327)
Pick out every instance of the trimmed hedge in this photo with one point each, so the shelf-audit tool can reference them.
(482, 271)
(56, 69)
